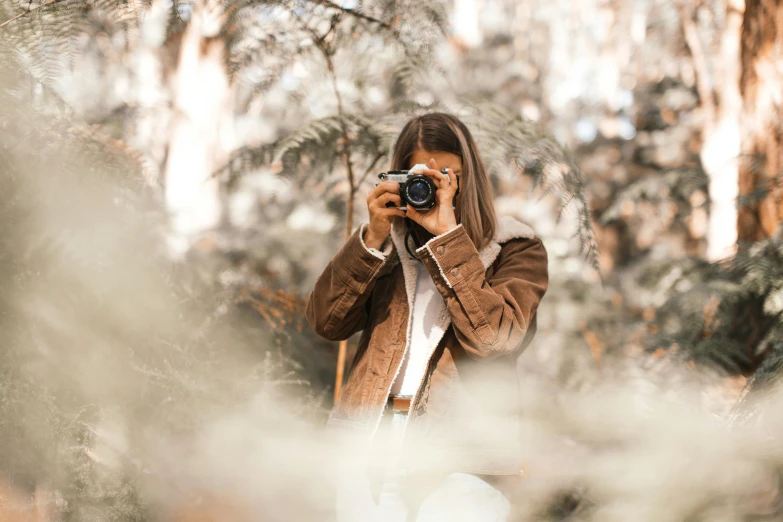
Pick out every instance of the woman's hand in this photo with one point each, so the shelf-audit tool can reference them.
(440, 218)
(380, 214)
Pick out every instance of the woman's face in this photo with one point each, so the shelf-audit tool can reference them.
(444, 160)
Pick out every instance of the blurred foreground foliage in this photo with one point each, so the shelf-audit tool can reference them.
(116, 360)
(320, 92)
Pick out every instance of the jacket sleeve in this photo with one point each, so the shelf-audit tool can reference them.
(336, 306)
(490, 318)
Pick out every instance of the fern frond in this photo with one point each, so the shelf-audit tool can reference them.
(509, 139)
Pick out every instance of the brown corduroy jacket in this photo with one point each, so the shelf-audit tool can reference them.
(465, 415)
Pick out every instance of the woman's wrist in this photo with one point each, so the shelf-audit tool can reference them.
(445, 229)
(371, 241)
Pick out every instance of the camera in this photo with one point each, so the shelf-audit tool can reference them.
(416, 190)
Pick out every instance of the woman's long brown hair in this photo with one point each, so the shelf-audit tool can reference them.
(440, 132)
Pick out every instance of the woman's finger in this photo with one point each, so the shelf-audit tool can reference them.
(388, 197)
(373, 194)
(446, 180)
(447, 186)
(414, 214)
(382, 188)
(391, 211)
(437, 177)
(454, 181)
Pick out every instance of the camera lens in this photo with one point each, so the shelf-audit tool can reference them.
(419, 192)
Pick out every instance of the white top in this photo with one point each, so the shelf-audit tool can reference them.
(426, 304)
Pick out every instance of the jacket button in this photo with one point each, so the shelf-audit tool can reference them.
(440, 250)
(455, 271)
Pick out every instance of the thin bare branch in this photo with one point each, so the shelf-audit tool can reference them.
(323, 45)
(354, 13)
(693, 41)
(327, 51)
(370, 168)
(25, 13)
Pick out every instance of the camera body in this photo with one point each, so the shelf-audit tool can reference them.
(416, 190)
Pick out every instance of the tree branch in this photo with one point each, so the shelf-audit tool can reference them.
(693, 42)
(323, 46)
(346, 150)
(354, 13)
(20, 15)
(369, 169)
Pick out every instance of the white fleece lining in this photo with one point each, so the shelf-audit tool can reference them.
(508, 228)
(410, 270)
(386, 247)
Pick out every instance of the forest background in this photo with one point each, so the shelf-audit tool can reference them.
(175, 175)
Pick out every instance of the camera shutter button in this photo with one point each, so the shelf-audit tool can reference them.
(441, 249)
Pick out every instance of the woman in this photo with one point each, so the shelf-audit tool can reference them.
(446, 300)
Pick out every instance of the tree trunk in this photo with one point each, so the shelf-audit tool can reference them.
(721, 103)
(201, 132)
(721, 149)
(465, 22)
(761, 208)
